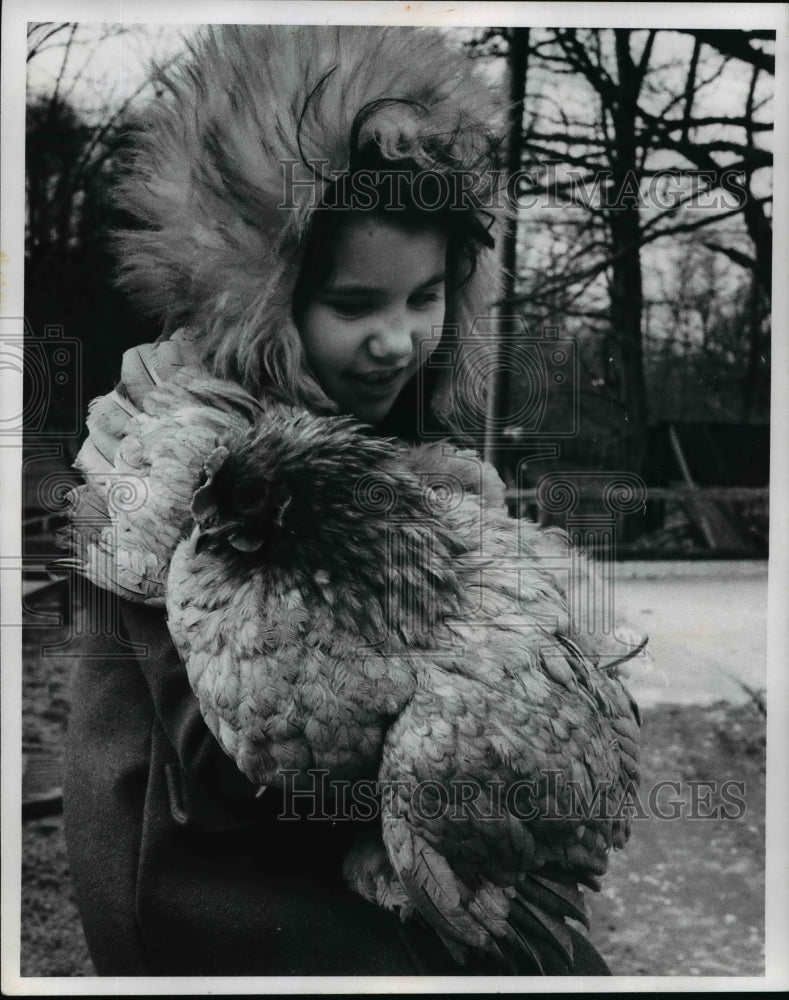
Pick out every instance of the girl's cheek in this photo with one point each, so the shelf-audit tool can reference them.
(431, 336)
(436, 319)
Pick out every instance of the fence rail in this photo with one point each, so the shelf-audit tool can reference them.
(711, 510)
(681, 493)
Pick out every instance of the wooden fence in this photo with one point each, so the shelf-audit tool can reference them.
(712, 511)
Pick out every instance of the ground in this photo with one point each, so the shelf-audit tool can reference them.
(686, 896)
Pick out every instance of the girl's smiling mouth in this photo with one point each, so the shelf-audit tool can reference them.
(378, 383)
(384, 377)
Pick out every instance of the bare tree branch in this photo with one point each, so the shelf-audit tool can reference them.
(63, 64)
(690, 88)
(736, 255)
(40, 44)
(736, 44)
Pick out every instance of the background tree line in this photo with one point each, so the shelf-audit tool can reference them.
(649, 234)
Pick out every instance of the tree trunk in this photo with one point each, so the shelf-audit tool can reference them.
(750, 380)
(760, 231)
(500, 404)
(626, 286)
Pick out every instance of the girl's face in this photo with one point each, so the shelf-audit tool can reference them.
(361, 332)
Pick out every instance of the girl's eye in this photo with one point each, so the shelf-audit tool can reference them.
(424, 299)
(351, 308)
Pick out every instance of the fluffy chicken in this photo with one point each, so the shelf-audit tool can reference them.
(342, 602)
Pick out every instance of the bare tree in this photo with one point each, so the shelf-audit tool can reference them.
(647, 116)
(69, 144)
(77, 129)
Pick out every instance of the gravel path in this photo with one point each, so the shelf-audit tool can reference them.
(707, 624)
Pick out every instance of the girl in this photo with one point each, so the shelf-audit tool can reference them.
(301, 237)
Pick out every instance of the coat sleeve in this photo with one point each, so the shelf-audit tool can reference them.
(208, 772)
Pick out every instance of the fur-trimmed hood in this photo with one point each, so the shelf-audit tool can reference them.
(224, 234)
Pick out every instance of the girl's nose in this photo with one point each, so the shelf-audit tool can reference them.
(392, 340)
